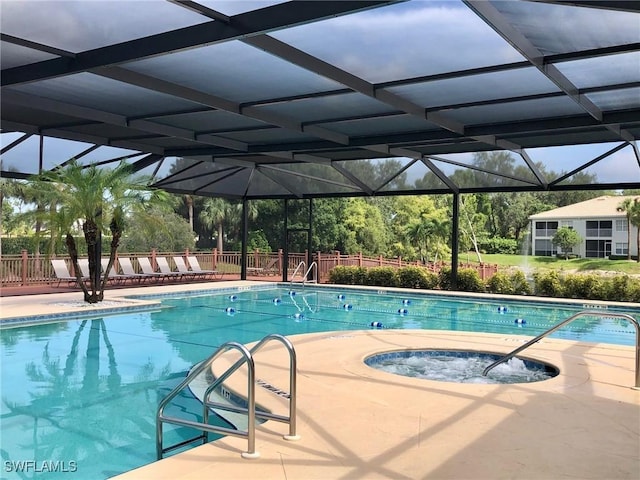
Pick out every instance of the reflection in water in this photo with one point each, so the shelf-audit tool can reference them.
(74, 412)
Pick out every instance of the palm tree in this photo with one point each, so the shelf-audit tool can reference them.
(98, 198)
(213, 215)
(425, 233)
(628, 205)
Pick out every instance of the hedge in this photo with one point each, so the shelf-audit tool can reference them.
(620, 288)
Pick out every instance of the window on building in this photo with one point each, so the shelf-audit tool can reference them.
(546, 229)
(598, 248)
(599, 228)
(622, 248)
(544, 248)
(567, 223)
(622, 225)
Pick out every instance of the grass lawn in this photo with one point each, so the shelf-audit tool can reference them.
(584, 265)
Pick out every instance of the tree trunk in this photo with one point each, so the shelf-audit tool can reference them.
(220, 242)
(92, 238)
(116, 235)
(73, 253)
(629, 238)
(189, 201)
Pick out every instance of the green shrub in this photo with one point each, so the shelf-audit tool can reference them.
(589, 287)
(509, 284)
(15, 245)
(500, 283)
(520, 284)
(622, 288)
(547, 284)
(499, 245)
(382, 277)
(468, 280)
(348, 275)
(445, 280)
(416, 277)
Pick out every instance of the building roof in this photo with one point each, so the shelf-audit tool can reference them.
(605, 206)
(277, 99)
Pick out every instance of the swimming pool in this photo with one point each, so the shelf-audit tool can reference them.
(84, 392)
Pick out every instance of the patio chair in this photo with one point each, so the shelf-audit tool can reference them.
(148, 270)
(114, 276)
(195, 267)
(271, 268)
(127, 269)
(184, 269)
(166, 270)
(62, 272)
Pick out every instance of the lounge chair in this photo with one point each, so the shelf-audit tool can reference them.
(127, 269)
(62, 272)
(184, 269)
(166, 270)
(148, 270)
(195, 267)
(114, 276)
(83, 263)
(271, 268)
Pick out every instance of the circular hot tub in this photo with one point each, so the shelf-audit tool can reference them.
(460, 366)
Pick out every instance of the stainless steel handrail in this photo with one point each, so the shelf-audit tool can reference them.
(291, 418)
(306, 274)
(584, 313)
(301, 264)
(250, 409)
(251, 399)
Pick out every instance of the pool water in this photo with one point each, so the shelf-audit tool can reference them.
(86, 390)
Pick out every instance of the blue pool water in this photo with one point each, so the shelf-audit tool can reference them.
(80, 395)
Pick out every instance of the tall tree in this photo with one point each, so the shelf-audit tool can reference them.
(631, 207)
(472, 222)
(96, 197)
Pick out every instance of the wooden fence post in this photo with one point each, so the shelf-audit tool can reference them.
(24, 267)
(214, 260)
(154, 254)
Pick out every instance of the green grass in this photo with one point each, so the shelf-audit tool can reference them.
(552, 263)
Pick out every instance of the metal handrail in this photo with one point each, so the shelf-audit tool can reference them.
(306, 274)
(291, 418)
(301, 264)
(584, 313)
(250, 410)
(249, 433)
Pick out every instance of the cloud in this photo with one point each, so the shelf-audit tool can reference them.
(404, 40)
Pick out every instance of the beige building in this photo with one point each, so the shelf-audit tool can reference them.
(600, 223)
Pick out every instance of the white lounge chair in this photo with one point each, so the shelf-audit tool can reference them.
(164, 267)
(184, 269)
(62, 272)
(148, 270)
(195, 266)
(127, 269)
(114, 276)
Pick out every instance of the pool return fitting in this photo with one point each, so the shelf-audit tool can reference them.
(250, 409)
(584, 313)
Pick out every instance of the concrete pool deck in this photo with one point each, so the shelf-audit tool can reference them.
(361, 423)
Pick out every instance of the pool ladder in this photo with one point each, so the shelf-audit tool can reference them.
(305, 279)
(584, 313)
(250, 409)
